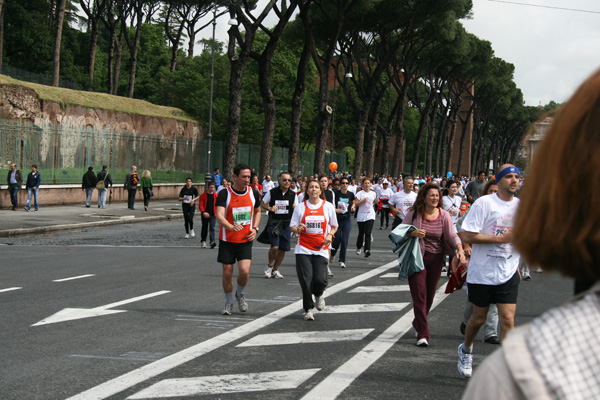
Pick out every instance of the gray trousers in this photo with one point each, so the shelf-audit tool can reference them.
(490, 328)
(312, 275)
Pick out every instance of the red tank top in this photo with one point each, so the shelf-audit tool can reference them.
(316, 228)
(239, 209)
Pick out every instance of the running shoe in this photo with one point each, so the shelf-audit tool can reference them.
(320, 303)
(187, 236)
(422, 342)
(192, 234)
(332, 258)
(227, 309)
(268, 271)
(358, 251)
(213, 245)
(342, 264)
(241, 300)
(203, 245)
(308, 316)
(367, 253)
(276, 274)
(329, 273)
(465, 362)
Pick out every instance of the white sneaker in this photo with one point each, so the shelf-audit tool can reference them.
(422, 342)
(227, 309)
(465, 362)
(203, 244)
(268, 272)
(276, 274)
(329, 273)
(186, 236)
(308, 316)
(342, 264)
(242, 304)
(192, 234)
(332, 258)
(359, 251)
(320, 303)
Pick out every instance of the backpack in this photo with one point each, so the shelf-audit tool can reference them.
(134, 178)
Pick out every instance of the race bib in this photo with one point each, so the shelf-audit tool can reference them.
(314, 224)
(187, 199)
(282, 206)
(343, 205)
(241, 215)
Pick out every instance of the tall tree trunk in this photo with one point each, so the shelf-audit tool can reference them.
(372, 145)
(441, 141)
(450, 149)
(93, 46)
(463, 136)
(134, 46)
(430, 140)
(191, 42)
(233, 122)
(359, 137)
(422, 123)
(118, 57)
(398, 149)
(57, 42)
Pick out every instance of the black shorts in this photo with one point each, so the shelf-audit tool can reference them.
(506, 293)
(229, 252)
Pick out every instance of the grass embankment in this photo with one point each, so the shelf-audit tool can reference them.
(99, 100)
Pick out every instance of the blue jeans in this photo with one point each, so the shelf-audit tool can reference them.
(14, 194)
(341, 237)
(32, 192)
(102, 197)
(88, 196)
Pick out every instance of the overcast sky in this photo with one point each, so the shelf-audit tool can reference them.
(553, 49)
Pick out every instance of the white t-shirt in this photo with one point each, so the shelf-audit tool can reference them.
(365, 210)
(385, 194)
(452, 205)
(352, 188)
(330, 219)
(267, 185)
(491, 264)
(403, 201)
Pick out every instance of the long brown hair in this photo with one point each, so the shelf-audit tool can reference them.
(553, 229)
(419, 205)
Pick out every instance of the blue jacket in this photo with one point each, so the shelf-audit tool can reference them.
(408, 250)
(34, 180)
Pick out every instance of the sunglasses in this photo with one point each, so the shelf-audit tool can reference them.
(345, 183)
(286, 180)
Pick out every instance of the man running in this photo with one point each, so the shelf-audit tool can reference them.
(280, 203)
(474, 188)
(402, 200)
(493, 275)
(238, 214)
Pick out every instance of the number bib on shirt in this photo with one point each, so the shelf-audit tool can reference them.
(241, 215)
(282, 206)
(314, 224)
(343, 205)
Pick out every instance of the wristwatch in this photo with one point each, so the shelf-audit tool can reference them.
(255, 227)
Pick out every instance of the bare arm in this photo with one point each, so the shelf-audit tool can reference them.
(480, 238)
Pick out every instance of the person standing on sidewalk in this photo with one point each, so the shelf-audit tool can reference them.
(131, 183)
(14, 180)
(315, 223)
(280, 203)
(493, 275)
(34, 180)
(188, 195)
(88, 183)
(103, 181)
(238, 213)
(146, 188)
(207, 206)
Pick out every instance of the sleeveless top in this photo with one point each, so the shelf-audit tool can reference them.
(239, 210)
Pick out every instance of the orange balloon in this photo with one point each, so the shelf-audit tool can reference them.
(332, 166)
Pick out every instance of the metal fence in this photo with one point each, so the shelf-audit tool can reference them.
(63, 154)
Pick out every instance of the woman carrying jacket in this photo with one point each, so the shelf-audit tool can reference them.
(437, 236)
(146, 188)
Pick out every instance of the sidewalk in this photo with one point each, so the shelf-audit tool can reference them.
(56, 218)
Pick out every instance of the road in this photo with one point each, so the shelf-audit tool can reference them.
(132, 311)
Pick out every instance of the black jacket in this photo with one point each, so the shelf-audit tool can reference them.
(89, 180)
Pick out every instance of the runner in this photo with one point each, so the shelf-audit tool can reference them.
(402, 201)
(344, 199)
(238, 213)
(493, 275)
(384, 195)
(280, 203)
(452, 201)
(315, 222)
(366, 216)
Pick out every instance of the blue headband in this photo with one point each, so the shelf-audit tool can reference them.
(507, 170)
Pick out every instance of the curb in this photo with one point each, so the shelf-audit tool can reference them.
(66, 227)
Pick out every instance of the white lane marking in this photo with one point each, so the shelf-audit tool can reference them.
(73, 278)
(220, 384)
(379, 289)
(149, 371)
(366, 308)
(69, 314)
(390, 275)
(275, 339)
(332, 386)
(10, 289)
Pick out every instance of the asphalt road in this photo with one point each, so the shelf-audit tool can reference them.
(170, 340)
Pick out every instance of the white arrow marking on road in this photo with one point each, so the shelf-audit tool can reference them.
(10, 289)
(366, 308)
(72, 278)
(69, 314)
(272, 339)
(256, 382)
(379, 289)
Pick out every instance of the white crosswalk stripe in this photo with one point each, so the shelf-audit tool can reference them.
(379, 289)
(366, 308)
(272, 339)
